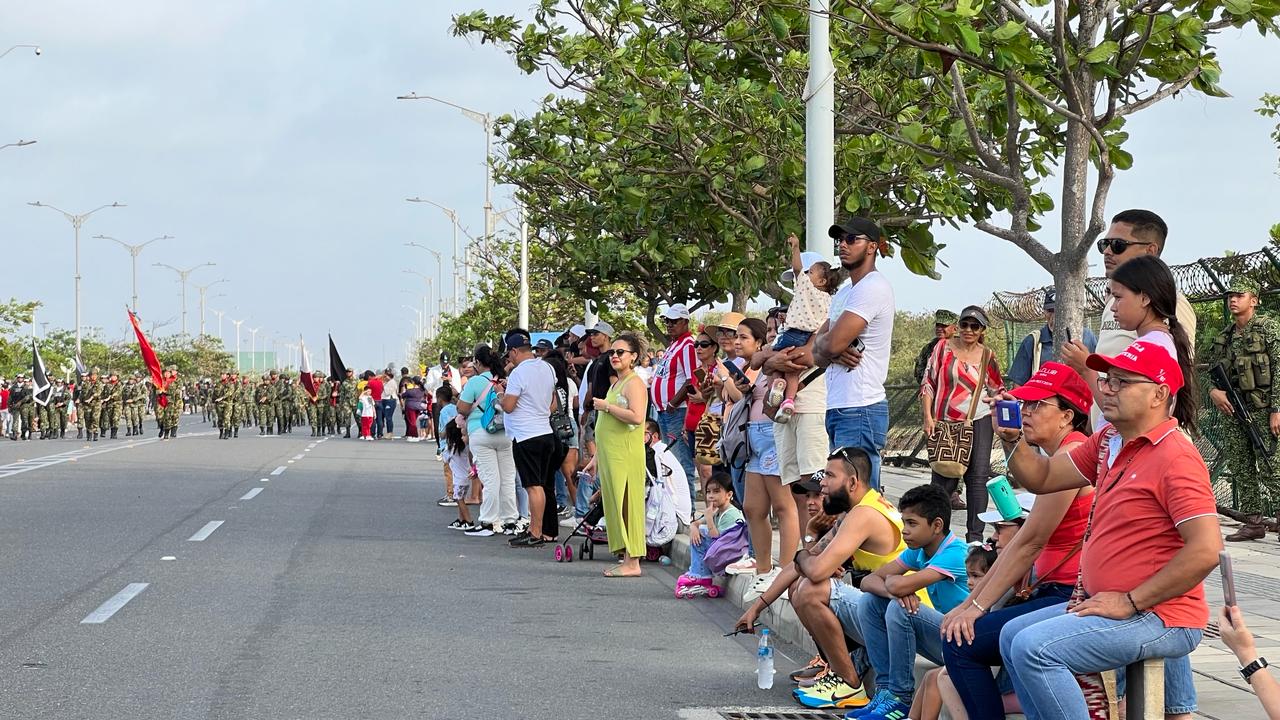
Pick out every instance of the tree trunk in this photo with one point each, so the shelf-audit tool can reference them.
(1069, 282)
(740, 298)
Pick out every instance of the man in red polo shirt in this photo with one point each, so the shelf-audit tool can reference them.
(1153, 538)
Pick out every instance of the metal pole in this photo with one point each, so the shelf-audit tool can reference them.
(456, 274)
(133, 260)
(184, 303)
(820, 134)
(202, 308)
(239, 365)
(488, 193)
(77, 222)
(524, 270)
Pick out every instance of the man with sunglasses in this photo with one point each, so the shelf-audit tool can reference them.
(1152, 538)
(672, 373)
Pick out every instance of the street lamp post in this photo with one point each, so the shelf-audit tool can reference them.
(202, 290)
(219, 313)
(253, 348)
(77, 221)
(819, 130)
(420, 319)
(522, 303)
(459, 261)
(486, 121)
(182, 277)
(37, 48)
(134, 251)
(238, 323)
(20, 143)
(439, 270)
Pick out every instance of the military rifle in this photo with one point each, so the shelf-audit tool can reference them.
(1218, 373)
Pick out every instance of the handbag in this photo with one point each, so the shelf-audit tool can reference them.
(706, 438)
(491, 417)
(729, 547)
(951, 444)
(561, 425)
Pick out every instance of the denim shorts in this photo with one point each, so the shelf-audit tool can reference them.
(763, 459)
(792, 338)
(844, 603)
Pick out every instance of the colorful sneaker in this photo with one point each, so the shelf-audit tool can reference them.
(831, 692)
(785, 411)
(806, 683)
(882, 697)
(891, 709)
(777, 392)
(745, 566)
(812, 670)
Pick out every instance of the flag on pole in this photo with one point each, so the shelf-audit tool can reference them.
(337, 370)
(41, 388)
(81, 371)
(307, 379)
(148, 355)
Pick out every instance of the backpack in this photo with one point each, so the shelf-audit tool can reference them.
(660, 522)
(734, 447)
(491, 417)
(729, 547)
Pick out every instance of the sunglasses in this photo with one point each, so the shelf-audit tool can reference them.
(842, 453)
(704, 344)
(1007, 524)
(1034, 405)
(1118, 245)
(671, 321)
(848, 240)
(971, 326)
(616, 353)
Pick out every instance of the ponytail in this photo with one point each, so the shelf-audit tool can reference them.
(1186, 407)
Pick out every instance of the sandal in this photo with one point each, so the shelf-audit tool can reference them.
(616, 572)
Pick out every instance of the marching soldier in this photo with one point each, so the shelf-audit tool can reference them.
(263, 398)
(346, 402)
(58, 409)
(245, 403)
(91, 404)
(20, 403)
(112, 398)
(135, 400)
(44, 415)
(173, 406)
(224, 400)
(284, 405)
(1249, 348)
(313, 403)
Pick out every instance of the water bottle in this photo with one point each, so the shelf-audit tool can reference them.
(764, 661)
(1006, 501)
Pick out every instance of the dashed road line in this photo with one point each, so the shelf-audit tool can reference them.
(297, 457)
(112, 606)
(206, 531)
(22, 466)
(252, 493)
(278, 470)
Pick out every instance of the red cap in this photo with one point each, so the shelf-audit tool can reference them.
(1147, 359)
(1056, 379)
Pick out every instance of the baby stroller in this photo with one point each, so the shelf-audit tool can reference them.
(590, 530)
(660, 520)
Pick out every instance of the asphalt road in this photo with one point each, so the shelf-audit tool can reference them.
(335, 591)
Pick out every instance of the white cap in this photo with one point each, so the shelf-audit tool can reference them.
(676, 312)
(807, 260)
(580, 330)
(1026, 500)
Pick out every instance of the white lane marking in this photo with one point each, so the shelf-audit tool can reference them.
(112, 606)
(290, 462)
(297, 457)
(278, 470)
(252, 493)
(168, 557)
(307, 450)
(22, 466)
(206, 531)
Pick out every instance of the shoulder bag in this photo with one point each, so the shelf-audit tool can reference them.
(951, 444)
(491, 417)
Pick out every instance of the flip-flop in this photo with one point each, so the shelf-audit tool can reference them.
(616, 572)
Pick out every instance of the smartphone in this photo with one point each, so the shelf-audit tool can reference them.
(1009, 414)
(1228, 579)
(743, 630)
(858, 345)
(1069, 335)
(739, 377)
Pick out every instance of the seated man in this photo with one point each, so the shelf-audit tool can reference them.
(866, 537)
(895, 625)
(1153, 537)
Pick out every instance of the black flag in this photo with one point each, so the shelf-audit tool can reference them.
(41, 389)
(337, 370)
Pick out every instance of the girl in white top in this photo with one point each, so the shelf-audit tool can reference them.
(815, 282)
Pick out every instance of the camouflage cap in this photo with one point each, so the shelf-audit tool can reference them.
(945, 317)
(1244, 284)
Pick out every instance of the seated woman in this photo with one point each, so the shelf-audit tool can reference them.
(1041, 561)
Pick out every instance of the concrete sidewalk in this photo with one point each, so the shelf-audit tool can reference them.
(1222, 694)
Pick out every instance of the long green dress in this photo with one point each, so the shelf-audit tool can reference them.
(620, 461)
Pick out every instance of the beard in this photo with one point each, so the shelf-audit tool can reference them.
(854, 266)
(837, 503)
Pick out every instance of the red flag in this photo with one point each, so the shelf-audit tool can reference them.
(308, 380)
(148, 355)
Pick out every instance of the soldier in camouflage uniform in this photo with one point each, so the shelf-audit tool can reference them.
(284, 405)
(263, 397)
(244, 403)
(44, 415)
(20, 406)
(135, 402)
(91, 404)
(347, 397)
(237, 405)
(58, 409)
(312, 403)
(112, 399)
(944, 326)
(1249, 348)
(223, 401)
(172, 409)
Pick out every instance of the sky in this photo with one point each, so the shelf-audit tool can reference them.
(265, 137)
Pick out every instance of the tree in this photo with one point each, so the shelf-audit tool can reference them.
(1017, 88)
(674, 160)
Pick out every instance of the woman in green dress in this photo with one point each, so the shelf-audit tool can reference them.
(620, 455)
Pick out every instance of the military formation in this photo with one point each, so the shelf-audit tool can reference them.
(276, 404)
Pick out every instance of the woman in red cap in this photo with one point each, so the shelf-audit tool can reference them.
(1042, 561)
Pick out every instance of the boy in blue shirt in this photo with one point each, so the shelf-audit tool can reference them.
(894, 624)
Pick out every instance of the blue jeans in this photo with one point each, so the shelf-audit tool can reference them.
(861, 427)
(697, 553)
(671, 422)
(587, 486)
(522, 500)
(1044, 650)
(970, 665)
(893, 638)
(562, 490)
(383, 421)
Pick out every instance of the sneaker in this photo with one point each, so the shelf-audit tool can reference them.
(458, 525)
(891, 709)
(745, 566)
(468, 526)
(519, 537)
(509, 529)
(447, 502)
(694, 590)
(569, 521)
(413, 439)
(785, 412)
(877, 702)
(777, 392)
(815, 668)
(761, 584)
(522, 525)
(480, 531)
(806, 683)
(831, 692)
(527, 540)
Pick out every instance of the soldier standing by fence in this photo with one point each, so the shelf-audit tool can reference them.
(1249, 348)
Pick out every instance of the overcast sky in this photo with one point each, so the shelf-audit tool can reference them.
(266, 138)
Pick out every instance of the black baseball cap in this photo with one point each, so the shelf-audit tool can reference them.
(811, 484)
(544, 344)
(854, 226)
(517, 338)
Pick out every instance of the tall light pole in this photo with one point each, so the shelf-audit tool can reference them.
(203, 289)
(182, 277)
(459, 260)
(418, 312)
(37, 48)
(77, 221)
(20, 143)
(426, 279)
(522, 303)
(439, 269)
(486, 121)
(253, 348)
(819, 131)
(134, 251)
(219, 313)
(238, 323)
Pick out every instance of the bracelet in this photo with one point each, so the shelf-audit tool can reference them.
(1129, 597)
(975, 604)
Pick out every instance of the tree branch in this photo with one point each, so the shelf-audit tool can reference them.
(1023, 240)
(1172, 88)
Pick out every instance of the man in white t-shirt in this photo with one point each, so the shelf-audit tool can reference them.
(854, 345)
(527, 398)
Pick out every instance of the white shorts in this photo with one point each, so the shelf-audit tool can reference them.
(802, 446)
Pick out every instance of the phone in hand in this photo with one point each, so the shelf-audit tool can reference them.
(858, 345)
(1069, 339)
(1228, 579)
(739, 377)
(1009, 414)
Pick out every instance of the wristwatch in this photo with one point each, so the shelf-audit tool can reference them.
(1247, 671)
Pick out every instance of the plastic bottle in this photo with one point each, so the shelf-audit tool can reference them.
(1006, 501)
(764, 661)
(664, 560)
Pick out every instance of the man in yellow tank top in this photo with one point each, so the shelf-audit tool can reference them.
(866, 537)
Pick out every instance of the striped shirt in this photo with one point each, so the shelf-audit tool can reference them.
(673, 370)
(949, 384)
